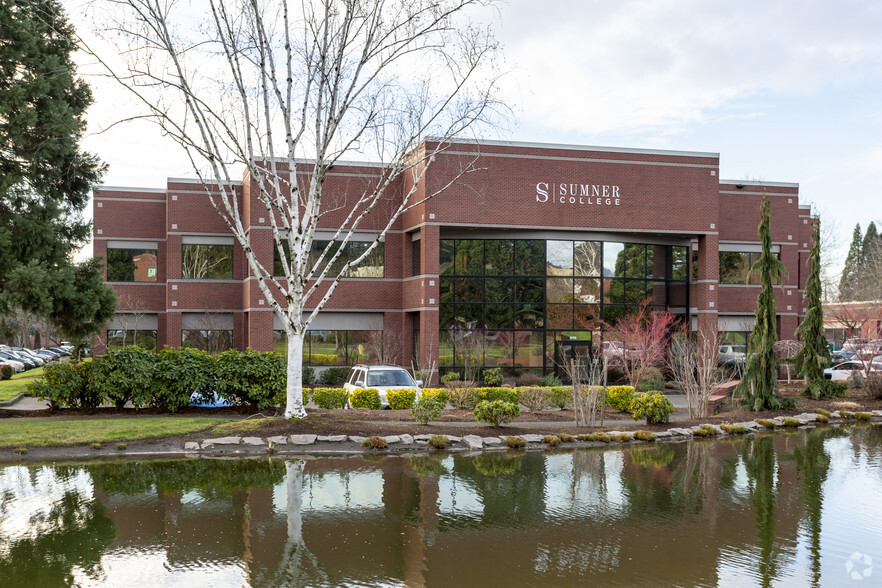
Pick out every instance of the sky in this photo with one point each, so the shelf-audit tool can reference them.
(783, 90)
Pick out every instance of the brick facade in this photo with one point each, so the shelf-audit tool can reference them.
(517, 189)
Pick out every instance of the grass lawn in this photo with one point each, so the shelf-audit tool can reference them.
(11, 388)
(46, 432)
(34, 373)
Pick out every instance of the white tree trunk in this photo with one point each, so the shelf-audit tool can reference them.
(294, 406)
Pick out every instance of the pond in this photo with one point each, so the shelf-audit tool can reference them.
(796, 509)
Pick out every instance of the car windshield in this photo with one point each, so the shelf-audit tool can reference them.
(389, 378)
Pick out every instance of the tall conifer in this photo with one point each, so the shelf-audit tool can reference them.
(814, 356)
(850, 269)
(758, 387)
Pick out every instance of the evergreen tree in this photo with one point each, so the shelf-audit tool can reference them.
(870, 243)
(850, 269)
(45, 177)
(814, 355)
(758, 386)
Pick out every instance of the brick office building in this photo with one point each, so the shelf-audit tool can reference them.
(509, 264)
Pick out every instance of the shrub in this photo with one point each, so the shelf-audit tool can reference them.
(125, 375)
(769, 424)
(427, 408)
(845, 414)
(653, 379)
(374, 442)
(550, 381)
(449, 377)
(789, 422)
(529, 379)
(655, 407)
(534, 398)
(440, 394)
(120, 446)
(308, 377)
(181, 373)
(565, 437)
(6, 372)
(491, 394)
(20, 450)
(552, 440)
(733, 429)
(401, 398)
(561, 397)
(818, 389)
(493, 377)
(515, 442)
(466, 398)
(874, 387)
(439, 441)
(95, 445)
(330, 397)
(621, 437)
(821, 411)
(251, 378)
(601, 437)
(862, 416)
(705, 431)
(365, 398)
(67, 385)
(822, 418)
(496, 412)
(620, 397)
(333, 376)
(856, 379)
(644, 435)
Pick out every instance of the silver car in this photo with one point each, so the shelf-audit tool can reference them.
(381, 377)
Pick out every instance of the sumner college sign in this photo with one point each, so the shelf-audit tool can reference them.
(596, 194)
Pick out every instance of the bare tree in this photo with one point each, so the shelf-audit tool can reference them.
(586, 373)
(385, 346)
(261, 84)
(468, 345)
(694, 367)
(786, 350)
(641, 340)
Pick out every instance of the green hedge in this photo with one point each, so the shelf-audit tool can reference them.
(620, 397)
(401, 398)
(495, 393)
(365, 398)
(165, 380)
(330, 397)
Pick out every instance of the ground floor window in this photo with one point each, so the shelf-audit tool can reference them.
(209, 340)
(336, 347)
(117, 339)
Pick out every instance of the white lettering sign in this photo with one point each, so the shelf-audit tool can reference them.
(578, 194)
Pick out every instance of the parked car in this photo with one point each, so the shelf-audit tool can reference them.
(27, 361)
(49, 355)
(381, 377)
(17, 365)
(24, 351)
(843, 355)
(840, 372)
(61, 352)
(732, 354)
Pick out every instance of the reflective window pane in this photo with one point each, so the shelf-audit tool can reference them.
(499, 257)
(530, 257)
(614, 291)
(447, 289)
(499, 290)
(527, 348)
(734, 266)
(469, 257)
(497, 349)
(529, 290)
(559, 316)
(446, 257)
(586, 316)
(528, 316)
(469, 290)
(207, 262)
(586, 290)
(635, 260)
(559, 258)
(614, 259)
(586, 258)
(559, 290)
(131, 265)
(372, 266)
(208, 340)
(679, 263)
(499, 316)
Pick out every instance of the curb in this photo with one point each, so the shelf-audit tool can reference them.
(12, 400)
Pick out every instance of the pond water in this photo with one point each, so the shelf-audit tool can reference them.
(796, 509)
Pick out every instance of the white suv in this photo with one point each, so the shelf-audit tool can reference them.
(381, 377)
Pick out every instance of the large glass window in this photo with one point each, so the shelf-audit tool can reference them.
(372, 266)
(131, 265)
(735, 267)
(209, 340)
(206, 262)
(614, 260)
(337, 347)
(117, 339)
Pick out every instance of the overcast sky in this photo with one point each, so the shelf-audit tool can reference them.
(783, 90)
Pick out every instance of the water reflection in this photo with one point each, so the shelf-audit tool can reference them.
(761, 510)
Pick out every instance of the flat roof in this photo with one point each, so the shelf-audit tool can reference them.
(568, 147)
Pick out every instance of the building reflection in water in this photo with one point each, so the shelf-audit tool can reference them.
(743, 511)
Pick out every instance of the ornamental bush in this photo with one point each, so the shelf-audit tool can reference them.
(334, 376)
(365, 398)
(250, 377)
(440, 393)
(620, 397)
(428, 408)
(181, 373)
(6, 372)
(497, 412)
(493, 377)
(654, 407)
(450, 377)
(491, 394)
(561, 396)
(66, 385)
(329, 398)
(653, 379)
(534, 398)
(125, 375)
(401, 398)
(466, 398)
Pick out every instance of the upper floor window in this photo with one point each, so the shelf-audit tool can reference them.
(372, 266)
(131, 265)
(735, 267)
(206, 262)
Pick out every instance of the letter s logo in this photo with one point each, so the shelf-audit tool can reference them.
(542, 192)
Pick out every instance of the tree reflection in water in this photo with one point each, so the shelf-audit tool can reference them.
(758, 456)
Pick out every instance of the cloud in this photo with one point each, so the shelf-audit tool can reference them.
(639, 65)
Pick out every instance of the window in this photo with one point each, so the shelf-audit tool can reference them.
(334, 347)
(131, 265)
(372, 266)
(145, 338)
(208, 340)
(415, 258)
(735, 267)
(206, 262)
